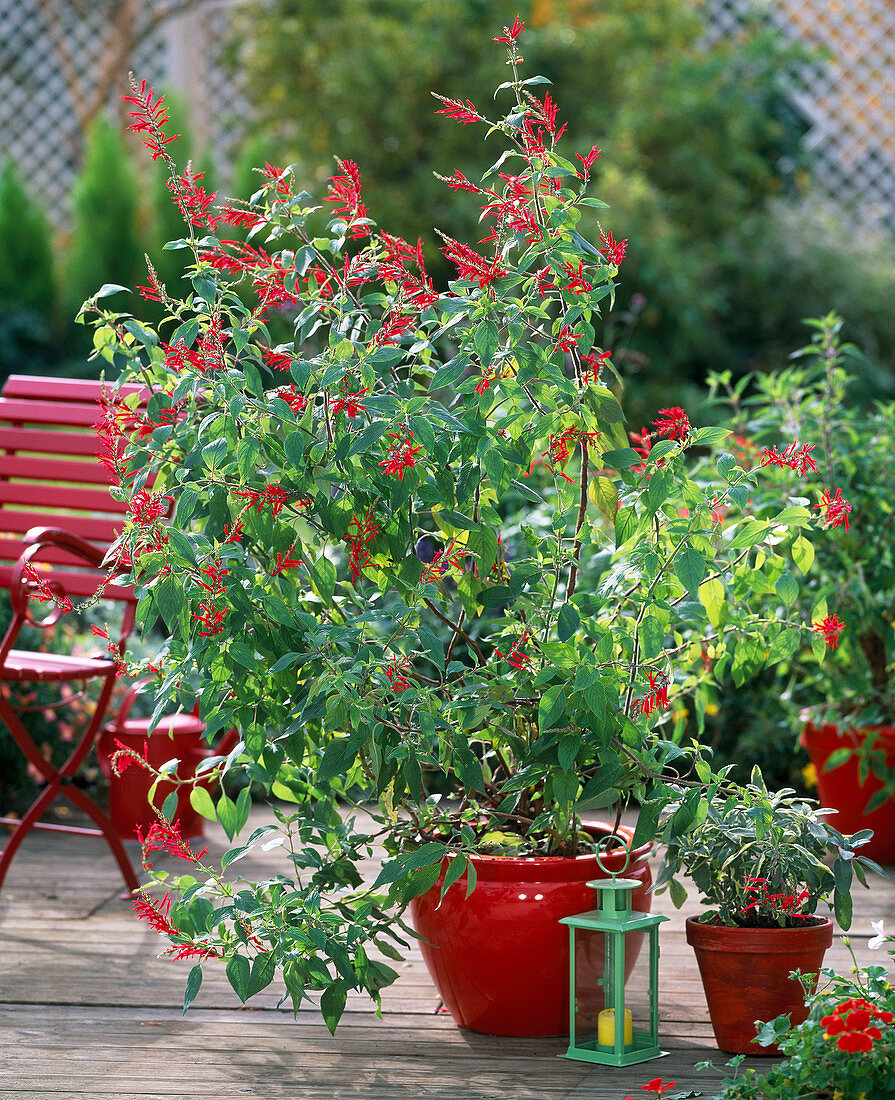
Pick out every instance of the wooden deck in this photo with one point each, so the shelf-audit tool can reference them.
(87, 1010)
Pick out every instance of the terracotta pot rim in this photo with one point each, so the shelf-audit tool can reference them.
(718, 937)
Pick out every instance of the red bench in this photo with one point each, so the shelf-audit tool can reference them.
(56, 511)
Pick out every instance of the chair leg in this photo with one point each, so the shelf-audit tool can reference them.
(59, 783)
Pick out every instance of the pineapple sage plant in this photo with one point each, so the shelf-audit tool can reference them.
(403, 543)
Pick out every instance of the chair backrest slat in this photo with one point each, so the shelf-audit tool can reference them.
(51, 476)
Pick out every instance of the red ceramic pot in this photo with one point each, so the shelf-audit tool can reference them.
(499, 958)
(745, 975)
(840, 790)
(129, 806)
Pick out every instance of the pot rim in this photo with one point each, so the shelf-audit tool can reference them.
(775, 941)
(855, 734)
(510, 867)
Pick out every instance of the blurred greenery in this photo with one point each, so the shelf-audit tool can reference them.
(699, 142)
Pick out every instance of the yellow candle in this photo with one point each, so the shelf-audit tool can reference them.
(606, 1028)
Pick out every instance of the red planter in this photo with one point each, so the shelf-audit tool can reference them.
(839, 789)
(129, 806)
(499, 959)
(745, 975)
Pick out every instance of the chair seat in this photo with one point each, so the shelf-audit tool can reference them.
(27, 666)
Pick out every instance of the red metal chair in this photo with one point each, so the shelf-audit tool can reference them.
(55, 509)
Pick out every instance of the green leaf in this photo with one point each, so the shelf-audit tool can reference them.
(332, 1005)
(169, 806)
(111, 288)
(690, 570)
(323, 579)
(749, 533)
(202, 803)
(652, 636)
(708, 437)
(711, 595)
(454, 872)
(551, 707)
(193, 983)
(802, 553)
(787, 589)
(604, 494)
(264, 967)
(227, 815)
(678, 893)
(486, 339)
(567, 622)
(622, 459)
(239, 976)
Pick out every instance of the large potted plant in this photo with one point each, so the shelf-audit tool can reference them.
(758, 861)
(843, 701)
(412, 551)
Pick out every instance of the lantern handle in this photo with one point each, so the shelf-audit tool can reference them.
(603, 846)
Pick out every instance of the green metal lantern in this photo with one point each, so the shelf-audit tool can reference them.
(602, 1027)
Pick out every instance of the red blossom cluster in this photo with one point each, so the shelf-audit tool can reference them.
(835, 510)
(146, 509)
(561, 446)
(458, 111)
(395, 674)
(293, 397)
(344, 192)
(587, 162)
(794, 457)
(114, 649)
(125, 756)
(614, 251)
(284, 562)
(400, 455)
(656, 1086)
(359, 534)
(656, 697)
(43, 589)
(149, 119)
(442, 561)
(470, 265)
(566, 339)
(672, 423)
(830, 628)
(276, 360)
(854, 1025)
(164, 836)
(516, 658)
(510, 34)
(157, 914)
(192, 199)
(787, 904)
(272, 496)
(349, 401)
(209, 614)
(593, 364)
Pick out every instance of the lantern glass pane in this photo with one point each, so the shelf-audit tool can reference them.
(637, 990)
(590, 963)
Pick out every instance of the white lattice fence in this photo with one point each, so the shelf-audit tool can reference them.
(49, 47)
(848, 99)
(59, 57)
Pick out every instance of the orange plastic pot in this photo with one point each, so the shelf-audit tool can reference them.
(499, 958)
(840, 789)
(745, 975)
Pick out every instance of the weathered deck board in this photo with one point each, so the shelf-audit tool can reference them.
(87, 1009)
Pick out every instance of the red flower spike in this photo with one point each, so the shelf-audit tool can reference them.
(614, 251)
(587, 162)
(470, 265)
(672, 423)
(516, 658)
(656, 697)
(395, 673)
(156, 914)
(830, 628)
(149, 119)
(794, 457)
(459, 112)
(834, 509)
(511, 33)
(359, 534)
(400, 455)
(276, 360)
(349, 403)
(164, 836)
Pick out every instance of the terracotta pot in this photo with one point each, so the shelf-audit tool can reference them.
(745, 975)
(499, 959)
(840, 790)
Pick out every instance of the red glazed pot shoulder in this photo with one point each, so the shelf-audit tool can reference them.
(500, 958)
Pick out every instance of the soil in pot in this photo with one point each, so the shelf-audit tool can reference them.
(499, 958)
(840, 790)
(745, 975)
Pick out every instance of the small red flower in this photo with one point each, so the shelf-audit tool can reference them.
(349, 403)
(276, 360)
(459, 112)
(516, 658)
(656, 697)
(149, 119)
(835, 510)
(164, 836)
(587, 162)
(511, 33)
(794, 457)
(470, 265)
(395, 673)
(156, 914)
(566, 339)
(400, 455)
(614, 251)
(359, 534)
(672, 423)
(830, 627)
(147, 508)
